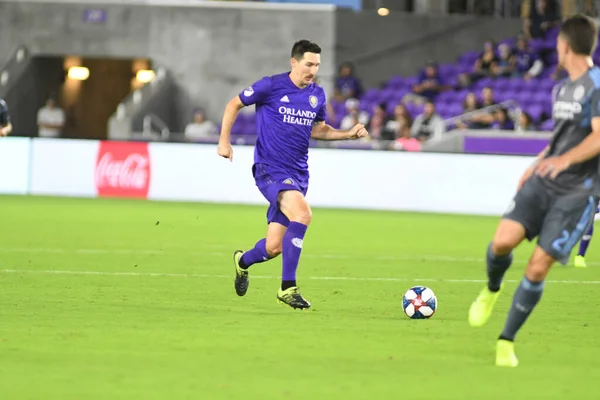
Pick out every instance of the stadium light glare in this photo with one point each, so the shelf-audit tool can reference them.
(382, 11)
(78, 73)
(144, 75)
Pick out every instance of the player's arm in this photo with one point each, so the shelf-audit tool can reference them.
(323, 131)
(6, 130)
(254, 94)
(587, 149)
(232, 109)
(5, 125)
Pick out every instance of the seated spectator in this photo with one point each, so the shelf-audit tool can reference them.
(429, 86)
(470, 104)
(376, 124)
(393, 128)
(526, 122)
(429, 125)
(539, 16)
(502, 120)
(484, 119)
(505, 66)
(347, 85)
(406, 142)
(484, 65)
(353, 115)
(528, 64)
(200, 127)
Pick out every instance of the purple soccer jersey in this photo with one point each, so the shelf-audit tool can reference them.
(285, 115)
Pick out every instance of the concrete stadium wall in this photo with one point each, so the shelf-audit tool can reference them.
(213, 49)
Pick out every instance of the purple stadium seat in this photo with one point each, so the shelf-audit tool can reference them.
(547, 125)
(535, 111)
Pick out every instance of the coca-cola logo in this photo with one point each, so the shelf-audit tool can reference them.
(123, 170)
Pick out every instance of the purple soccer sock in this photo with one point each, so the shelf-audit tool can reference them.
(291, 249)
(585, 240)
(256, 255)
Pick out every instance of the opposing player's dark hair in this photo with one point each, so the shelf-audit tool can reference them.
(581, 32)
(304, 46)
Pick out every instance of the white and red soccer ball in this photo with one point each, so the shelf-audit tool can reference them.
(419, 302)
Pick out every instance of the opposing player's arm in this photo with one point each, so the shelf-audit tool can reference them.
(5, 125)
(323, 131)
(587, 149)
(6, 130)
(590, 146)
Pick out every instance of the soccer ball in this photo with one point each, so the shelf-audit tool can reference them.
(419, 302)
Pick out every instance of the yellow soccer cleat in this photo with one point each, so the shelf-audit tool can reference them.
(241, 281)
(505, 354)
(292, 298)
(482, 307)
(579, 262)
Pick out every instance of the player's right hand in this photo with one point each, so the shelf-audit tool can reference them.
(225, 150)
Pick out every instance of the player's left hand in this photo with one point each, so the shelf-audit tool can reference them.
(358, 131)
(551, 166)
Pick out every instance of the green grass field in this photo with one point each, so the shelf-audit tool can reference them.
(115, 299)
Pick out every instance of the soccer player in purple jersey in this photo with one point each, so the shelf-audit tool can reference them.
(290, 110)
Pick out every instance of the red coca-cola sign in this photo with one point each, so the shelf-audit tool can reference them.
(123, 170)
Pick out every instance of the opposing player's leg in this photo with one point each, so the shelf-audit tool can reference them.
(294, 206)
(498, 259)
(526, 297)
(265, 249)
(583, 246)
(523, 219)
(563, 227)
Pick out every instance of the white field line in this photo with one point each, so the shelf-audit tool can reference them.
(319, 278)
(423, 258)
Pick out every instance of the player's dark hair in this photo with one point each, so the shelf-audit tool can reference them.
(581, 33)
(304, 46)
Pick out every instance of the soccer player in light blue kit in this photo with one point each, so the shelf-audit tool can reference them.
(290, 109)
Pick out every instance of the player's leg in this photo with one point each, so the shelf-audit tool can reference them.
(585, 242)
(562, 228)
(583, 246)
(498, 259)
(265, 249)
(526, 297)
(294, 206)
(523, 219)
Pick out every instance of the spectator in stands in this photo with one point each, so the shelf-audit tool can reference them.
(353, 115)
(5, 125)
(470, 104)
(406, 142)
(347, 84)
(429, 125)
(502, 120)
(200, 128)
(376, 125)
(50, 119)
(539, 16)
(394, 128)
(484, 119)
(506, 64)
(526, 122)
(528, 65)
(429, 86)
(484, 65)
